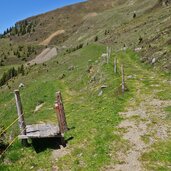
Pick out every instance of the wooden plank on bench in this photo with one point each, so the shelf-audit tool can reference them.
(41, 131)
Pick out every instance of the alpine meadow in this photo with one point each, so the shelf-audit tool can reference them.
(87, 87)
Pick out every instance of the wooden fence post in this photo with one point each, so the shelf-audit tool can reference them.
(115, 65)
(123, 79)
(60, 113)
(21, 121)
(107, 57)
(109, 50)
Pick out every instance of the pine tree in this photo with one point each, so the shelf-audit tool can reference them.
(3, 79)
(12, 72)
(21, 70)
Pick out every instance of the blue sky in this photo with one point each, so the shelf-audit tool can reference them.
(12, 11)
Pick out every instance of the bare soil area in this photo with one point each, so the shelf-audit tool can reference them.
(44, 56)
(48, 40)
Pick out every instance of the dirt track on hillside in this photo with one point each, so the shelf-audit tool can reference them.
(139, 122)
(144, 123)
(48, 40)
(44, 56)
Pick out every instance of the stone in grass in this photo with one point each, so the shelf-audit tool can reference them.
(101, 90)
(138, 49)
(103, 86)
(62, 76)
(21, 85)
(38, 107)
(100, 93)
(71, 68)
(153, 61)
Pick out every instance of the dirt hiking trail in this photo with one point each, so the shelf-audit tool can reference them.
(48, 40)
(144, 123)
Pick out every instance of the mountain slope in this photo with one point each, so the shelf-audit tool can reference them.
(112, 22)
(95, 140)
(103, 122)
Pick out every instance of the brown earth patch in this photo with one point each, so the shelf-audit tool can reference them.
(48, 40)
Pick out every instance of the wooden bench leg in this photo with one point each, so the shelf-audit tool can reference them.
(63, 142)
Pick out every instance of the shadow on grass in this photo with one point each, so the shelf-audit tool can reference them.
(43, 144)
(2, 147)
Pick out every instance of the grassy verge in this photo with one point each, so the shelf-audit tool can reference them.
(159, 158)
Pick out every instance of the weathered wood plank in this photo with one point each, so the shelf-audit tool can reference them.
(41, 131)
(22, 137)
(31, 128)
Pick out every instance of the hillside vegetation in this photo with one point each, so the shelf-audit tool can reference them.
(142, 25)
(109, 130)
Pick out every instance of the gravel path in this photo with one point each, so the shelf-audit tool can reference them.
(44, 56)
(144, 123)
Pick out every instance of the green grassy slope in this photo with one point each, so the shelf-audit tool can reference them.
(12, 53)
(93, 118)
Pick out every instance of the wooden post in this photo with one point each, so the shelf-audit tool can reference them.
(107, 57)
(108, 54)
(21, 121)
(123, 79)
(110, 51)
(115, 65)
(60, 113)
